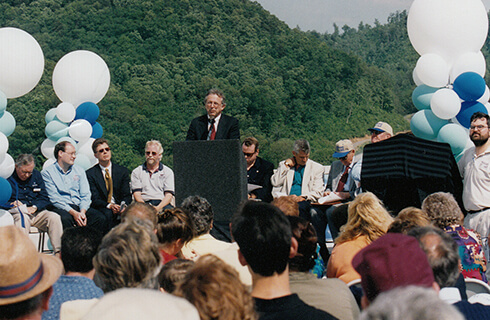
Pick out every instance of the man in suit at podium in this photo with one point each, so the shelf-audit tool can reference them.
(214, 125)
(109, 183)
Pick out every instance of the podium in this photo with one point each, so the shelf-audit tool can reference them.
(215, 170)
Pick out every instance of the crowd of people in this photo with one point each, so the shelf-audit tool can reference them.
(123, 248)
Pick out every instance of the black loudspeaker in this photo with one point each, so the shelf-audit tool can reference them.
(215, 170)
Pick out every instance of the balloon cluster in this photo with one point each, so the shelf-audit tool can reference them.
(448, 35)
(21, 68)
(80, 80)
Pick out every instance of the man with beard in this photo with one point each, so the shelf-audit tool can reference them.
(153, 182)
(474, 167)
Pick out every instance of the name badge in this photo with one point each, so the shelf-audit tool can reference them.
(36, 189)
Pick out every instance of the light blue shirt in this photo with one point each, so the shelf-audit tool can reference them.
(65, 188)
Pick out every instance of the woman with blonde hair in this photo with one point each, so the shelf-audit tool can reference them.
(214, 288)
(367, 220)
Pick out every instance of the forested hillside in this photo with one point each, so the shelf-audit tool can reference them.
(281, 83)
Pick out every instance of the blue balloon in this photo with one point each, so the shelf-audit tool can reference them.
(97, 131)
(426, 125)
(5, 191)
(421, 96)
(455, 135)
(468, 108)
(7, 123)
(469, 86)
(88, 111)
(56, 130)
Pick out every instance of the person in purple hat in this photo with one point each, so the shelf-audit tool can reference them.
(392, 261)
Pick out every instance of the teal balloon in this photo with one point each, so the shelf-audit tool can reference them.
(7, 123)
(56, 130)
(97, 131)
(5, 191)
(455, 135)
(3, 103)
(426, 125)
(421, 96)
(458, 156)
(50, 115)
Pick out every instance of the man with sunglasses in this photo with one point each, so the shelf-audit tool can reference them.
(69, 191)
(259, 171)
(29, 202)
(153, 182)
(474, 167)
(109, 183)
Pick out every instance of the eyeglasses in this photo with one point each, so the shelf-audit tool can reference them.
(151, 153)
(27, 173)
(480, 127)
(344, 157)
(248, 154)
(104, 150)
(73, 154)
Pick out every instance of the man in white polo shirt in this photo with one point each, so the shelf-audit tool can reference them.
(153, 182)
(474, 167)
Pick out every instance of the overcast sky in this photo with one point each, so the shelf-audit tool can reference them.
(320, 15)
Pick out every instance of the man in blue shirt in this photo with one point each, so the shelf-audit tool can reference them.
(78, 247)
(69, 191)
(29, 203)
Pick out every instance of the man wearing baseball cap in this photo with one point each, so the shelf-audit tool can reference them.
(340, 180)
(26, 276)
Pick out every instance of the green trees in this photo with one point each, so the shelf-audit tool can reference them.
(282, 84)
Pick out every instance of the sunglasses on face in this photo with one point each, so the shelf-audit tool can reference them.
(151, 153)
(248, 154)
(104, 150)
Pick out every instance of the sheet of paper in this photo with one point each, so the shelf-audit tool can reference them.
(332, 197)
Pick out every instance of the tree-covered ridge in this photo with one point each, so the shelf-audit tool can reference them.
(282, 84)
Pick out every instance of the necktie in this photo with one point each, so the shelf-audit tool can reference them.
(212, 130)
(343, 180)
(108, 184)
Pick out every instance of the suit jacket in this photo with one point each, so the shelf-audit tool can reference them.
(120, 186)
(336, 171)
(312, 186)
(227, 128)
(260, 174)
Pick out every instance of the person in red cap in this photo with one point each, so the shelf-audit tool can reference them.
(392, 261)
(26, 276)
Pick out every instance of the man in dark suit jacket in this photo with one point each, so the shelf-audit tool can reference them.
(214, 125)
(109, 183)
(259, 171)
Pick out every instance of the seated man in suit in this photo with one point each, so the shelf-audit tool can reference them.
(259, 171)
(340, 180)
(109, 183)
(302, 178)
(214, 125)
(153, 182)
(69, 191)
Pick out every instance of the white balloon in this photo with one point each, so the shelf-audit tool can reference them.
(448, 28)
(47, 148)
(80, 130)
(21, 62)
(65, 112)
(81, 76)
(416, 78)
(432, 70)
(83, 161)
(4, 143)
(7, 166)
(445, 103)
(85, 147)
(48, 162)
(486, 95)
(469, 61)
(6, 218)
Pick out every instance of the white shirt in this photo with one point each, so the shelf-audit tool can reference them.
(475, 171)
